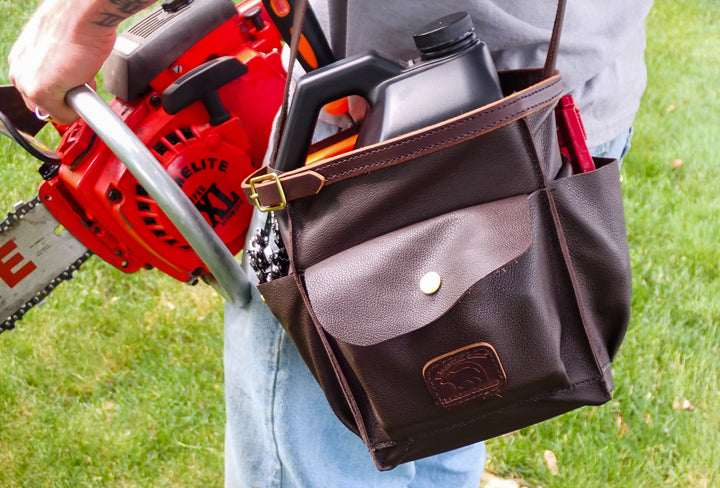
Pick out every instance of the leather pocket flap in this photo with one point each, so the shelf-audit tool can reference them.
(406, 279)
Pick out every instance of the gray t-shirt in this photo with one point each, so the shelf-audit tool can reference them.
(601, 52)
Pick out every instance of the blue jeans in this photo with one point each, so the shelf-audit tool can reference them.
(280, 430)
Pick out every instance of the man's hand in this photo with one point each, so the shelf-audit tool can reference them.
(63, 46)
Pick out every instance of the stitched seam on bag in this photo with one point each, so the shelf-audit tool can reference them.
(478, 417)
(383, 445)
(538, 167)
(437, 131)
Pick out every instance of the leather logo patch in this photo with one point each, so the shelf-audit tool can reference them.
(469, 373)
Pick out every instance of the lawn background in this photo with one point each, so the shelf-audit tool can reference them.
(117, 381)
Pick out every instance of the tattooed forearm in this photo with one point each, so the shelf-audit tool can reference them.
(124, 9)
(106, 19)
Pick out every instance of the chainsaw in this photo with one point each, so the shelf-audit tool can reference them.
(197, 85)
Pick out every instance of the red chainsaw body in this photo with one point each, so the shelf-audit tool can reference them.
(98, 200)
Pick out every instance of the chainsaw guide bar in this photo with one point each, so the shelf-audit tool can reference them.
(34, 252)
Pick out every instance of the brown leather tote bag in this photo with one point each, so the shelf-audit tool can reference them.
(448, 286)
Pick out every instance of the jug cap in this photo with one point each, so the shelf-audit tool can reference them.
(444, 32)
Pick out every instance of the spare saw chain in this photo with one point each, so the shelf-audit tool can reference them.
(38, 253)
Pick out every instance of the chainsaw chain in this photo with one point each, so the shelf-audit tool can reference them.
(267, 254)
(21, 209)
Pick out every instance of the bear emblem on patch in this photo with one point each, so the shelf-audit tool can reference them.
(469, 373)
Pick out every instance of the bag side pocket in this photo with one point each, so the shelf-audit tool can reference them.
(590, 207)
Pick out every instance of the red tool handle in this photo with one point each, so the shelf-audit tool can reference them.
(572, 136)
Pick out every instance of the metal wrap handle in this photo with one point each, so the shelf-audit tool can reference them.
(234, 285)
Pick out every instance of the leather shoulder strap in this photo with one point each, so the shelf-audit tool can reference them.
(551, 59)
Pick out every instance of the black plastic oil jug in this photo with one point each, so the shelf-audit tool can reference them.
(454, 74)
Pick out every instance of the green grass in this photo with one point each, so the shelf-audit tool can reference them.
(117, 381)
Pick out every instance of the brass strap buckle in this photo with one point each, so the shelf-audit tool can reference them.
(256, 198)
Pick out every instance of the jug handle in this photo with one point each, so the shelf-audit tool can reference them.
(355, 75)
